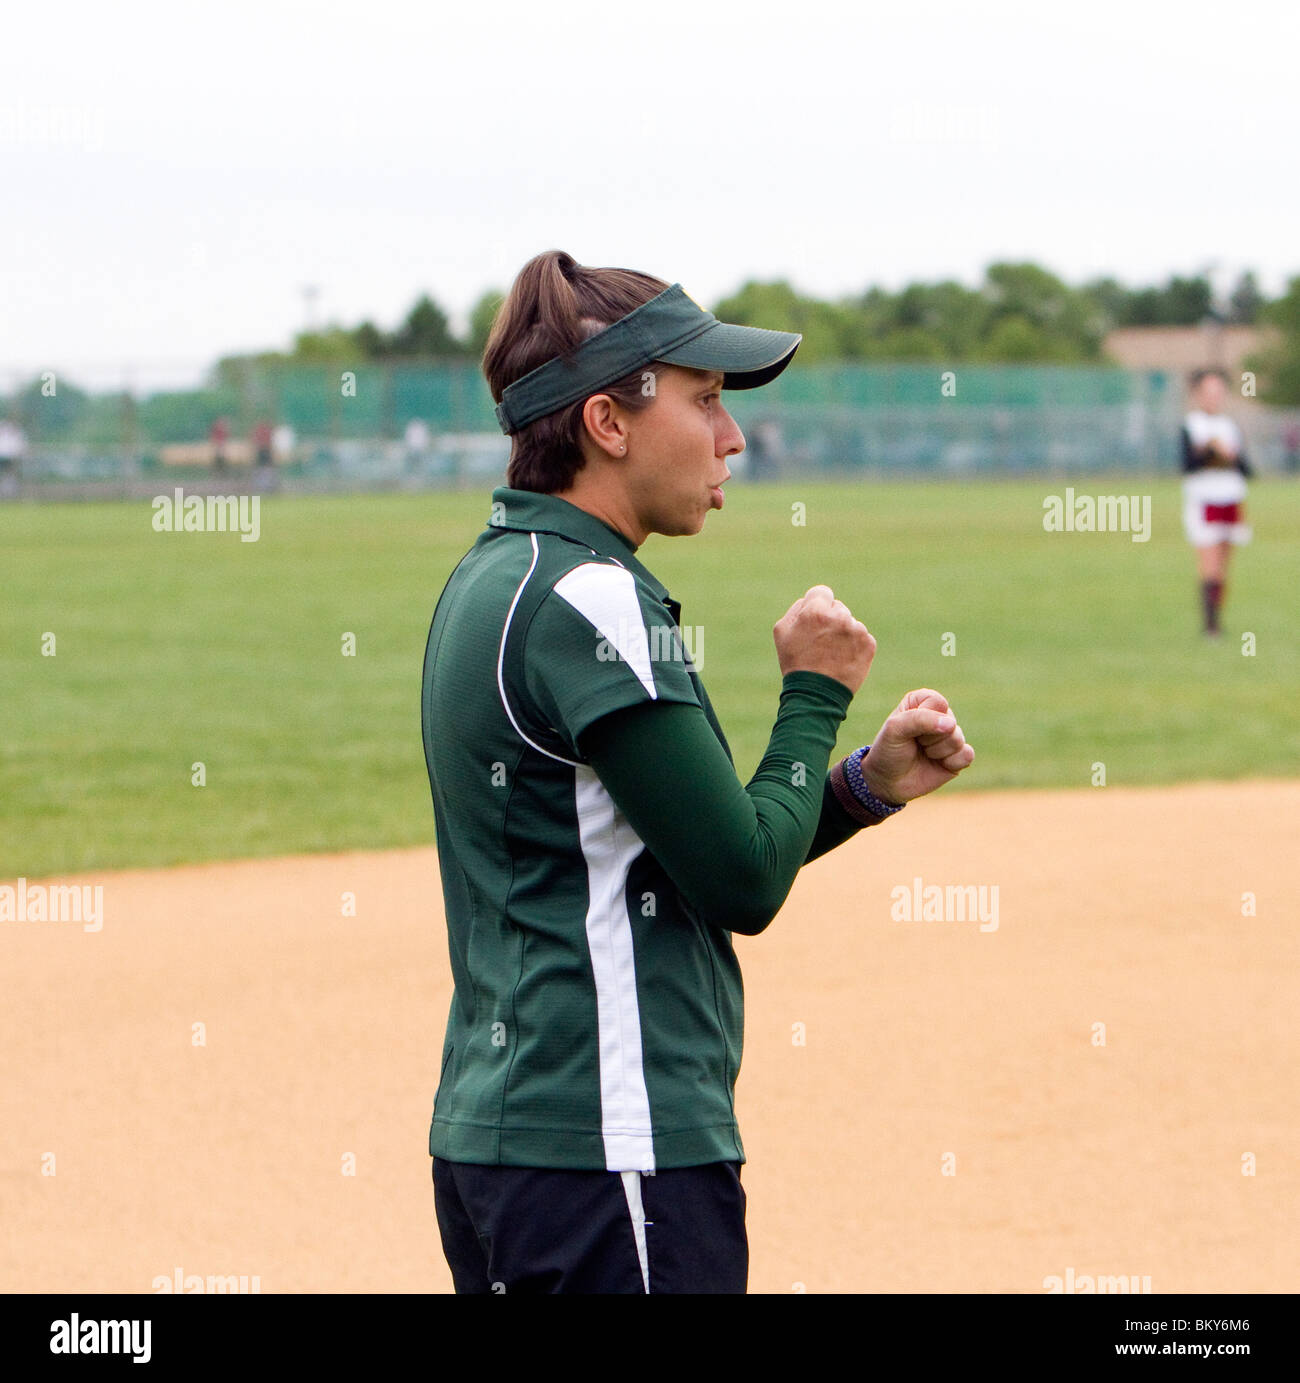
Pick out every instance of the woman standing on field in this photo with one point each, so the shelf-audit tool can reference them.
(1215, 470)
(596, 848)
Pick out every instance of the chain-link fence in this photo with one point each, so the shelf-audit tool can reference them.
(421, 424)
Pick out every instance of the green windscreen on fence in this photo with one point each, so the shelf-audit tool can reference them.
(824, 416)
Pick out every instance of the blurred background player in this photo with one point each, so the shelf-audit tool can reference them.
(262, 434)
(416, 439)
(284, 441)
(264, 474)
(219, 436)
(13, 443)
(1214, 488)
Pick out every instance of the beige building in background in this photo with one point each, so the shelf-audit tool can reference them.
(1180, 350)
(1272, 434)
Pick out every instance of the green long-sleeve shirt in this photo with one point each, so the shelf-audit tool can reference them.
(597, 851)
(733, 850)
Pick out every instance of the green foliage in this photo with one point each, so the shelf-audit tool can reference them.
(329, 345)
(1279, 365)
(1015, 338)
(481, 317)
(1182, 302)
(44, 414)
(910, 343)
(369, 341)
(424, 333)
(1110, 299)
(1020, 313)
(1246, 301)
(186, 415)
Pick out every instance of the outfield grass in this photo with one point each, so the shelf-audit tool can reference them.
(1071, 649)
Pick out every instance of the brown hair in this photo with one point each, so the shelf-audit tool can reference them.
(553, 306)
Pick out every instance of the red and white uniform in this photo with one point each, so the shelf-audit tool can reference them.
(1214, 492)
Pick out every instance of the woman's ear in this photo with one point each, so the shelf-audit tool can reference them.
(604, 426)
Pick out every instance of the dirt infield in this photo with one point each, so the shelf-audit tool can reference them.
(880, 1053)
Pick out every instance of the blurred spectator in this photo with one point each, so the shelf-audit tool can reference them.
(264, 477)
(283, 441)
(13, 444)
(1291, 441)
(219, 435)
(764, 448)
(262, 443)
(417, 438)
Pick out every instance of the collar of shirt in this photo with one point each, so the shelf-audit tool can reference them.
(526, 511)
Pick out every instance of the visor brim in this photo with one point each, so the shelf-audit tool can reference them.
(747, 356)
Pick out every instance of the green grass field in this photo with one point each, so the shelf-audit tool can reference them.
(1070, 648)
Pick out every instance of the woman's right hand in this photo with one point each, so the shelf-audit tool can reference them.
(819, 634)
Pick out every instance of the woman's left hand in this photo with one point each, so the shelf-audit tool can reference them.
(920, 747)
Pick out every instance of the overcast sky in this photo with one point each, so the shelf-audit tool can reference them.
(171, 177)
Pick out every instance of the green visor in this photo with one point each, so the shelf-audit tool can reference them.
(672, 328)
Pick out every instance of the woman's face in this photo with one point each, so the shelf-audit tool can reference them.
(678, 449)
(1211, 393)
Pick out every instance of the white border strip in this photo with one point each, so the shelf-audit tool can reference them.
(632, 1190)
(609, 845)
(501, 660)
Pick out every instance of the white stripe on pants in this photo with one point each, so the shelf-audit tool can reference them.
(632, 1190)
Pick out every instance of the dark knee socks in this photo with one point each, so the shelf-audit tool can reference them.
(1211, 599)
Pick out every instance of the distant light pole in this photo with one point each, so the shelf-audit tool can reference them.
(310, 295)
(1217, 315)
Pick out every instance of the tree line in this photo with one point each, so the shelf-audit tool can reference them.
(1020, 313)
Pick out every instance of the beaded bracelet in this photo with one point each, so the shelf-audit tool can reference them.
(858, 786)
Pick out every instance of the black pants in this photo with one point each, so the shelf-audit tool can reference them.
(536, 1229)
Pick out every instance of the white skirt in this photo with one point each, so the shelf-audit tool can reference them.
(1214, 507)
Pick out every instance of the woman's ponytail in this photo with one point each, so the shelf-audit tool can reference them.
(554, 304)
